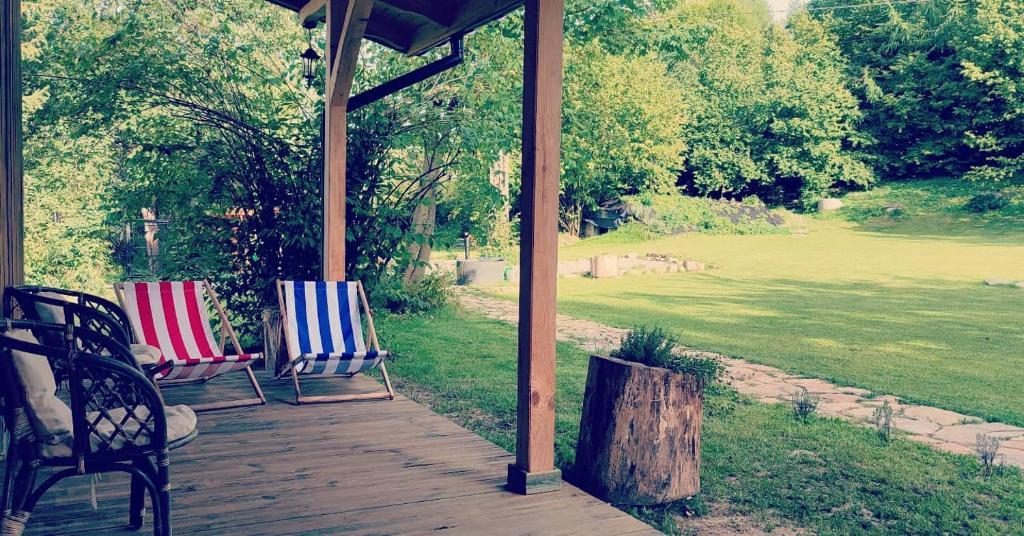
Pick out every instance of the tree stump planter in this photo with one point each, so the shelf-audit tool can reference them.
(640, 433)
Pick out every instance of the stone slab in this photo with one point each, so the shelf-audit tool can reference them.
(938, 416)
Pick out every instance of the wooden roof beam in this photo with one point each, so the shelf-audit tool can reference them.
(471, 16)
(442, 16)
(314, 9)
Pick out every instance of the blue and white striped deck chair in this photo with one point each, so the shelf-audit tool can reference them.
(323, 330)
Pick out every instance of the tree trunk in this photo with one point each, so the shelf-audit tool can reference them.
(150, 227)
(571, 219)
(424, 218)
(640, 433)
(500, 173)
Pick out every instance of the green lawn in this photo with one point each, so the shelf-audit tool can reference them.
(892, 305)
(825, 474)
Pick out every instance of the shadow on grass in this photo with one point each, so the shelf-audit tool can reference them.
(967, 229)
(954, 346)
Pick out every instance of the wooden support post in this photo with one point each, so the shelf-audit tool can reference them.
(346, 23)
(534, 470)
(12, 252)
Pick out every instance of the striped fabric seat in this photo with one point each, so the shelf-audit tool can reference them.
(324, 330)
(174, 317)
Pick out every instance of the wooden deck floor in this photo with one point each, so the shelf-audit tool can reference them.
(354, 468)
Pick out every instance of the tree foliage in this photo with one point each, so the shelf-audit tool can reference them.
(211, 133)
(622, 123)
(772, 114)
(939, 84)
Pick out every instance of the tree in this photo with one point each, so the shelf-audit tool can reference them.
(622, 124)
(992, 59)
(938, 83)
(213, 133)
(772, 115)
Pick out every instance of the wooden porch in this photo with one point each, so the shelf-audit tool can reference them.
(355, 468)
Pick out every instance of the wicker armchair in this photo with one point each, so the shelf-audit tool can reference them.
(115, 421)
(54, 305)
(33, 300)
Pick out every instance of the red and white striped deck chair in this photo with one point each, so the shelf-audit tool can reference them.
(323, 334)
(174, 317)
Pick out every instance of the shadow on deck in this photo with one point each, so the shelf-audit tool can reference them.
(374, 467)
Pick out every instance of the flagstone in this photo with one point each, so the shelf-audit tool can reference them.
(967, 434)
(915, 426)
(935, 415)
(955, 448)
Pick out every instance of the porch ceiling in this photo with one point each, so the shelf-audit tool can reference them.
(415, 26)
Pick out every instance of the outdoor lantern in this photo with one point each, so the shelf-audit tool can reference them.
(310, 58)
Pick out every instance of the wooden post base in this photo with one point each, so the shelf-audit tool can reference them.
(523, 483)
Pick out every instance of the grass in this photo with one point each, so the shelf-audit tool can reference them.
(823, 474)
(895, 305)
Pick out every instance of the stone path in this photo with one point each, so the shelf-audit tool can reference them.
(942, 429)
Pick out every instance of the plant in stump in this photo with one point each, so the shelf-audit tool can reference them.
(639, 441)
(655, 347)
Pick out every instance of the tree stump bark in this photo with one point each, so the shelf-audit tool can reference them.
(640, 433)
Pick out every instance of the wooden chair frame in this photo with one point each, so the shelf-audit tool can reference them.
(300, 399)
(226, 333)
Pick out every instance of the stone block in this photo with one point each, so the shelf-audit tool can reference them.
(480, 271)
(604, 266)
(828, 204)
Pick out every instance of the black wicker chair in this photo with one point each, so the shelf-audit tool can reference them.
(118, 423)
(96, 314)
(27, 298)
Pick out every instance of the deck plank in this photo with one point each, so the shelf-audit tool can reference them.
(359, 468)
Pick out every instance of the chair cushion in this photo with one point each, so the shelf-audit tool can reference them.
(181, 422)
(145, 354)
(50, 416)
(51, 313)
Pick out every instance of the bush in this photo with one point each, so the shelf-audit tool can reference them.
(988, 201)
(672, 214)
(431, 292)
(804, 404)
(655, 347)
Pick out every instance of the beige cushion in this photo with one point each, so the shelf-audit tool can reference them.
(146, 354)
(181, 422)
(50, 416)
(51, 313)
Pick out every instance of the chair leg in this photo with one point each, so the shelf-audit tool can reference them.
(255, 384)
(163, 483)
(295, 383)
(10, 468)
(137, 503)
(387, 380)
(20, 509)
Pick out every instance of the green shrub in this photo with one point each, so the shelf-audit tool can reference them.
(988, 202)
(431, 292)
(656, 347)
(676, 213)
